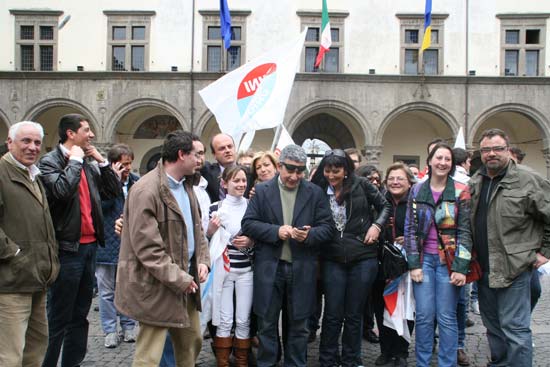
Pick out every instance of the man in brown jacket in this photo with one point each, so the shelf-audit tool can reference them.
(164, 256)
(28, 250)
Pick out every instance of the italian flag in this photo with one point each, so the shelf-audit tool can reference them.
(325, 35)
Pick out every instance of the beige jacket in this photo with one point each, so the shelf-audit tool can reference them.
(153, 267)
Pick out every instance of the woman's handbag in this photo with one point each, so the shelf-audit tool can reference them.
(394, 263)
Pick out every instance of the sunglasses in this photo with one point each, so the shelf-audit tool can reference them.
(337, 152)
(291, 168)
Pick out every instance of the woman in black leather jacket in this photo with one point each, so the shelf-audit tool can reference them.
(349, 260)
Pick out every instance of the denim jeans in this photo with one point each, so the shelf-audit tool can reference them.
(462, 313)
(436, 299)
(106, 279)
(168, 359)
(346, 287)
(506, 313)
(295, 346)
(69, 301)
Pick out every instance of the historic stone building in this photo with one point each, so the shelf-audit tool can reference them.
(135, 70)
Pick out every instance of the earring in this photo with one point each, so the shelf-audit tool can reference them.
(345, 177)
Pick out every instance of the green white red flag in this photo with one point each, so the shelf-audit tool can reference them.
(326, 40)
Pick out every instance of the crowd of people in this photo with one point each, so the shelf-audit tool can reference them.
(229, 248)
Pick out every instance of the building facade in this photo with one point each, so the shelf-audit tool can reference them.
(135, 70)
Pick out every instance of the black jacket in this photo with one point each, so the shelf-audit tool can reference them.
(395, 226)
(61, 178)
(347, 246)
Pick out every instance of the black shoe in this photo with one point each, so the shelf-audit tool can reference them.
(371, 336)
(469, 323)
(400, 362)
(382, 360)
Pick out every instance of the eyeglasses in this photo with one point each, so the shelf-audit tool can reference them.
(291, 168)
(337, 152)
(497, 149)
(374, 178)
(396, 179)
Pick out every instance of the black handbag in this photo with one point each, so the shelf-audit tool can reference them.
(394, 263)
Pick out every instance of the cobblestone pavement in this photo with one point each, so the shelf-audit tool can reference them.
(476, 342)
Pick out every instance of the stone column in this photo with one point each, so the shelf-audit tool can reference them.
(546, 155)
(103, 148)
(372, 154)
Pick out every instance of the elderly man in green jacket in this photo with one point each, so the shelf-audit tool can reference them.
(510, 220)
(28, 250)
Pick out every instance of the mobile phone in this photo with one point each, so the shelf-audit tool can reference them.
(302, 228)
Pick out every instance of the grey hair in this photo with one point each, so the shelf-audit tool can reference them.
(14, 129)
(294, 153)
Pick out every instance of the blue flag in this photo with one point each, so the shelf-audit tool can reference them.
(225, 21)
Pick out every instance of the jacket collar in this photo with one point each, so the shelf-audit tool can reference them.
(425, 193)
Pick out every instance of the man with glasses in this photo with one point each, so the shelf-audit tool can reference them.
(510, 219)
(288, 218)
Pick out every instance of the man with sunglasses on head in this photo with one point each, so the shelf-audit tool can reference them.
(288, 218)
(510, 217)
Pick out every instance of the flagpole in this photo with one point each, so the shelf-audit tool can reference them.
(277, 136)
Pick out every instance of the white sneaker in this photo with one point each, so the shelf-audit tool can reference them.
(129, 335)
(111, 340)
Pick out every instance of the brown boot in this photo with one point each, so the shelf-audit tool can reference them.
(242, 346)
(222, 346)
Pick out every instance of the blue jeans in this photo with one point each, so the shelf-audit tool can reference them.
(436, 299)
(462, 314)
(506, 313)
(295, 347)
(346, 287)
(69, 301)
(168, 359)
(106, 279)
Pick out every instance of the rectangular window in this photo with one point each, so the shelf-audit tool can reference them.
(27, 32)
(119, 33)
(411, 36)
(119, 57)
(532, 63)
(46, 32)
(532, 36)
(332, 60)
(138, 33)
(335, 34)
(312, 34)
(511, 62)
(311, 56)
(27, 58)
(138, 58)
(235, 33)
(46, 58)
(434, 37)
(214, 33)
(411, 62)
(233, 58)
(214, 58)
(512, 37)
(430, 62)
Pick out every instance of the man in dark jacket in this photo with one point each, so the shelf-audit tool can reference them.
(74, 188)
(288, 218)
(121, 157)
(28, 252)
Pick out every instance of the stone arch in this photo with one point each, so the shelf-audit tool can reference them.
(122, 111)
(4, 129)
(47, 104)
(203, 121)
(143, 169)
(445, 115)
(348, 115)
(536, 117)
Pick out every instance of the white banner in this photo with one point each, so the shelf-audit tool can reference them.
(254, 96)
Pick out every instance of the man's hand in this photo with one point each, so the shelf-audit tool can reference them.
(118, 225)
(192, 287)
(300, 234)
(76, 152)
(541, 260)
(458, 279)
(203, 272)
(417, 275)
(92, 152)
(242, 242)
(285, 232)
(118, 168)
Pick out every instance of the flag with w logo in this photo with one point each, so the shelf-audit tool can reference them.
(255, 96)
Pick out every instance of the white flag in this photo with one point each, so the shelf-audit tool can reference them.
(459, 142)
(254, 96)
(284, 140)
